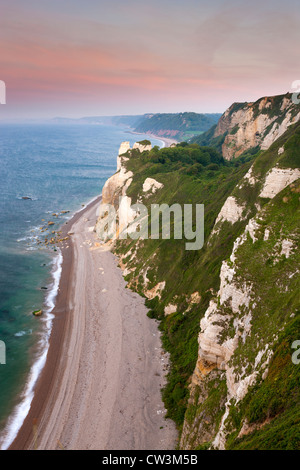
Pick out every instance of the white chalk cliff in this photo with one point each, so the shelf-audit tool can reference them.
(251, 125)
(277, 179)
(114, 192)
(150, 184)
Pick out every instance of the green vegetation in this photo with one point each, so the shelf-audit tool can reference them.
(190, 174)
(277, 108)
(37, 313)
(271, 406)
(236, 107)
(199, 175)
(180, 126)
(208, 139)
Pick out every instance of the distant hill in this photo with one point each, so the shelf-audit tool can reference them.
(180, 126)
(128, 121)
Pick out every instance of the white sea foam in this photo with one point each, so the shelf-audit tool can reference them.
(31, 235)
(19, 414)
(23, 333)
(20, 333)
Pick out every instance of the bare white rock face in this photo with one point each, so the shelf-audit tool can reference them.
(141, 147)
(116, 182)
(277, 179)
(126, 214)
(124, 147)
(156, 291)
(286, 247)
(231, 211)
(216, 347)
(279, 129)
(266, 234)
(150, 184)
(170, 308)
(116, 187)
(253, 130)
(249, 177)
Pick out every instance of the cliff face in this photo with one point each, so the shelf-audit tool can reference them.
(246, 126)
(229, 312)
(247, 323)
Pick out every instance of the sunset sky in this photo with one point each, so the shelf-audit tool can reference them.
(97, 57)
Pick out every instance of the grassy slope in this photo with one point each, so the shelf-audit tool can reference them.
(277, 298)
(275, 322)
(185, 272)
(188, 271)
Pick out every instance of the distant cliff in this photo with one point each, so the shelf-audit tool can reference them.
(229, 313)
(179, 126)
(248, 127)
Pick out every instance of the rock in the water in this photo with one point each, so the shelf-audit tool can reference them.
(37, 313)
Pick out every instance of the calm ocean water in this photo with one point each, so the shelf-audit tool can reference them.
(60, 167)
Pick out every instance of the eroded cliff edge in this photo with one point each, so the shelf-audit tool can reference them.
(232, 382)
(249, 127)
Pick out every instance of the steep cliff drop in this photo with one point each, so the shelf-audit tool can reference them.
(249, 127)
(242, 287)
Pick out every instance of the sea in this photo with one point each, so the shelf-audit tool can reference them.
(47, 173)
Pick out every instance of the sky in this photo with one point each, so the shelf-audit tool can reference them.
(78, 58)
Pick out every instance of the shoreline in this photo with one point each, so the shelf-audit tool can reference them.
(54, 414)
(39, 389)
(166, 140)
(16, 418)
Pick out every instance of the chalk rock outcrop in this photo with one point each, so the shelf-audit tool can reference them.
(277, 179)
(116, 185)
(142, 147)
(114, 193)
(170, 308)
(259, 124)
(150, 184)
(231, 211)
(124, 147)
